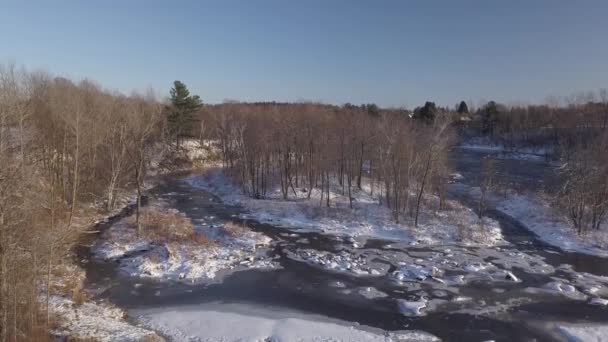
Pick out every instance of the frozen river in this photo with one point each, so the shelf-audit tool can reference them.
(519, 291)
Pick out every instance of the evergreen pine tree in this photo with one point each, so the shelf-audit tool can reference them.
(463, 108)
(183, 106)
(426, 113)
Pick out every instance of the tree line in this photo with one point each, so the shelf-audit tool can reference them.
(69, 151)
(556, 125)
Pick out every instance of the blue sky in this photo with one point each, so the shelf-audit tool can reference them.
(394, 53)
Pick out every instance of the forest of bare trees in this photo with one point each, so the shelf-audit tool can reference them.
(66, 150)
(310, 145)
(558, 125)
(404, 156)
(584, 176)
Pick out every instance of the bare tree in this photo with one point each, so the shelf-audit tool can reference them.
(142, 121)
(486, 184)
(584, 194)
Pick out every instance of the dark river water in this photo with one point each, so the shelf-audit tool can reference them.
(512, 314)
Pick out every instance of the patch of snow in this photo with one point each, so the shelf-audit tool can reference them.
(196, 151)
(583, 332)
(191, 262)
(108, 251)
(510, 276)
(415, 272)
(598, 301)
(99, 321)
(343, 261)
(461, 299)
(372, 293)
(559, 287)
(478, 266)
(411, 308)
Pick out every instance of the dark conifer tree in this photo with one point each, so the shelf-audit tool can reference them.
(183, 106)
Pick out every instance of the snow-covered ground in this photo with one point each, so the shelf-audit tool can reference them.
(551, 226)
(186, 260)
(199, 152)
(98, 321)
(367, 218)
(231, 322)
(583, 332)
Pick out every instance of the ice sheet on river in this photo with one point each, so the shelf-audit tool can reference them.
(226, 323)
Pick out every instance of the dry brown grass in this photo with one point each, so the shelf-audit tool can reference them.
(163, 225)
(235, 229)
(153, 338)
(170, 226)
(71, 283)
(201, 239)
(79, 295)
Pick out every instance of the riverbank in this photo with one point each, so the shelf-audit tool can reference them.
(548, 224)
(457, 224)
(551, 225)
(76, 314)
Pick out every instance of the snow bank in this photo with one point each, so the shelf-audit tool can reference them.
(191, 262)
(98, 321)
(367, 218)
(184, 260)
(583, 332)
(227, 323)
(119, 241)
(372, 293)
(551, 227)
(198, 151)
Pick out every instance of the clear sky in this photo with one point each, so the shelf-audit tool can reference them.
(393, 53)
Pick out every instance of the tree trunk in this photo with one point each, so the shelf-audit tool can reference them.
(360, 168)
(48, 286)
(418, 200)
(138, 209)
